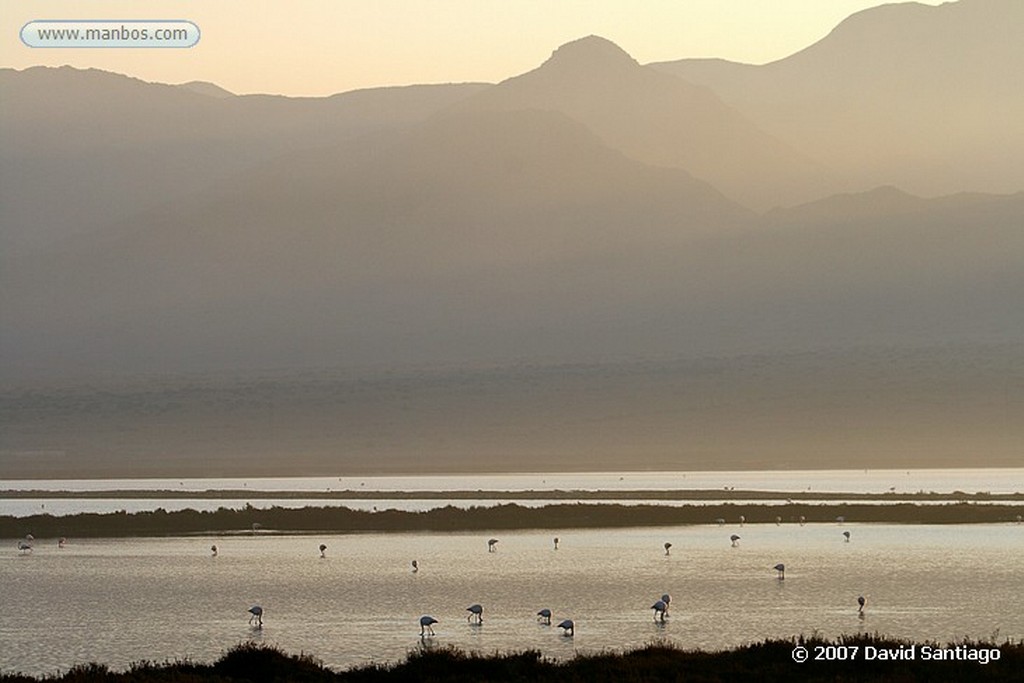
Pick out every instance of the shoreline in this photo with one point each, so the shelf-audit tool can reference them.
(510, 516)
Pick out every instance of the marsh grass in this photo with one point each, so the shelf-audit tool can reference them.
(508, 516)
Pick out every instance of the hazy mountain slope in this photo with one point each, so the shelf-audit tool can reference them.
(399, 261)
(925, 98)
(85, 148)
(467, 235)
(659, 120)
(885, 203)
(948, 269)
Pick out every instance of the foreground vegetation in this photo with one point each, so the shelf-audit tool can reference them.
(768, 661)
(510, 516)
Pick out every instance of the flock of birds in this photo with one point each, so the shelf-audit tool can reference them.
(476, 611)
(568, 626)
(25, 545)
(475, 616)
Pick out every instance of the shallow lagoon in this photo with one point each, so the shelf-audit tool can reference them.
(117, 601)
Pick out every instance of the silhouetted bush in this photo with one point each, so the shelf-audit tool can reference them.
(768, 661)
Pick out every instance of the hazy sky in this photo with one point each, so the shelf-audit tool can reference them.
(319, 47)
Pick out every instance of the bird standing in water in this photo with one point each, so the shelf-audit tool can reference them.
(475, 611)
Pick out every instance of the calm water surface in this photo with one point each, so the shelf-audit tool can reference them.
(996, 480)
(117, 601)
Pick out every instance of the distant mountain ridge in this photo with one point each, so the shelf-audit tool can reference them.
(110, 145)
(205, 88)
(585, 209)
(658, 120)
(926, 98)
(827, 249)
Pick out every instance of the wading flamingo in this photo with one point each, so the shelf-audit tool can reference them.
(475, 611)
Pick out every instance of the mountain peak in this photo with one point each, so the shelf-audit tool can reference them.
(591, 52)
(208, 89)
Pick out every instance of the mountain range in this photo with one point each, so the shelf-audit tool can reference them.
(863, 193)
(925, 98)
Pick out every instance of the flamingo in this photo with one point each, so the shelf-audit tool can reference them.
(803, 520)
(427, 625)
(720, 522)
(545, 616)
(323, 549)
(781, 569)
(668, 547)
(778, 521)
(24, 547)
(62, 542)
(257, 615)
(475, 611)
(860, 604)
(556, 542)
(492, 545)
(213, 550)
(568, 628)
(846, 535)
(659, 608)
(743, 520)
(415, 566)
(840, 519)
(734, 538)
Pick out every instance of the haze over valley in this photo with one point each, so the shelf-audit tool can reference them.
(596, 264)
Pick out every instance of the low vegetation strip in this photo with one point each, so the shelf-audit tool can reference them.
(509, 516)
(768, 661)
